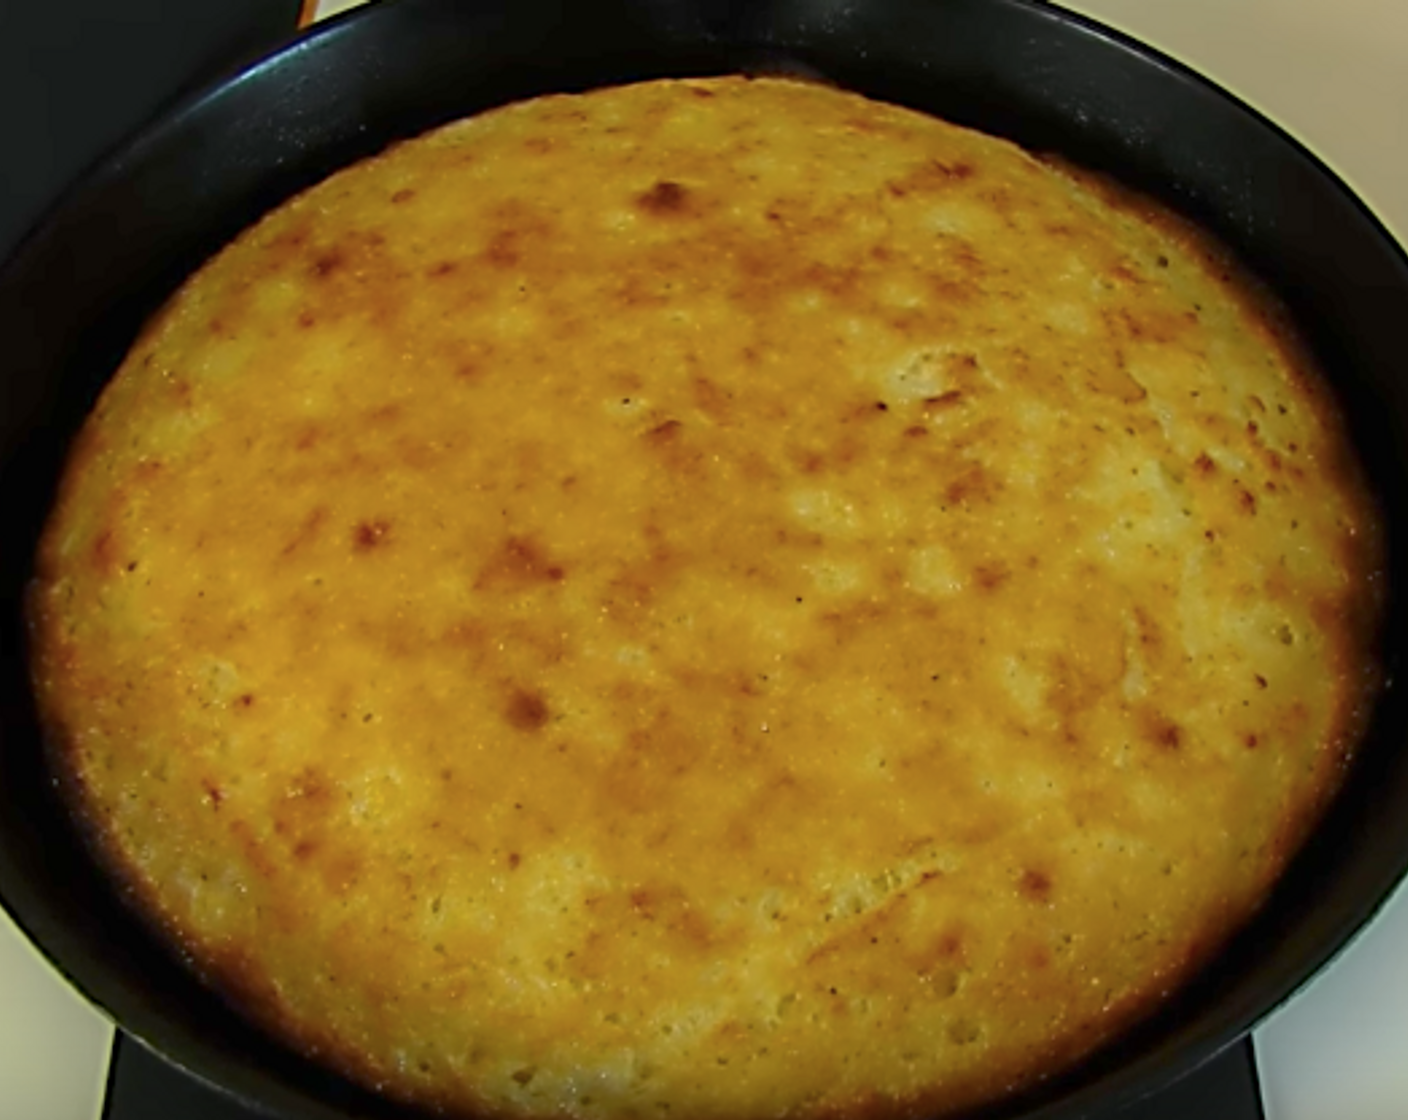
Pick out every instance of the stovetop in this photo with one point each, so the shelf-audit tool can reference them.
(76, 76)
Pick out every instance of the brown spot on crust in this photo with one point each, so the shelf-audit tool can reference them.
(944, 400)
(1163, 732)
(990, 577)
(104, 551)
(514, 859)
(245, 701)
(505, 250)
(1250, 741)
(666, 431)
(526, 711)
(325, 264)
(1036, 885)
(520, 561)
(665, 197)
(309, 529)
(974, 484)
(214, 793)
(369, 535)
(1247, 501)
(443, 268)
(405, 194)
(714, 402)
(1204, 464)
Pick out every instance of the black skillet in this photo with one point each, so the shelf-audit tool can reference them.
(75, 292)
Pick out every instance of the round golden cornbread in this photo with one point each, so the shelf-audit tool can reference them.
(712, 598)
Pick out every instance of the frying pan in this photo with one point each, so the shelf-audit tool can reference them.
(74, 294)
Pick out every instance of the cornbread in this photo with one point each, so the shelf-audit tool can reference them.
(706, 598)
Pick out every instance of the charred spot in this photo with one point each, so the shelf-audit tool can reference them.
(245, 701)
(404, 195)
(881, 406)
(1161, 261)
(1246, 500)
(526, 710)
(1260, 681)
(214, 793)
(1036, 885)
(368, 535)
(1250, 741)
(665, 197)
(1204, 464)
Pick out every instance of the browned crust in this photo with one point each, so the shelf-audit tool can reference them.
(230, 970)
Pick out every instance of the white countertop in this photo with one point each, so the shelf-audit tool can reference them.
(1333, 75)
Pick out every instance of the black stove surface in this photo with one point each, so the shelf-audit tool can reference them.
(143, 1087)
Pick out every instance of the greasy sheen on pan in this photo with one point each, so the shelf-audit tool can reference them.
(711, 598)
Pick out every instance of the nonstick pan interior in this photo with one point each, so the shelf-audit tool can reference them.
(75, 293)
